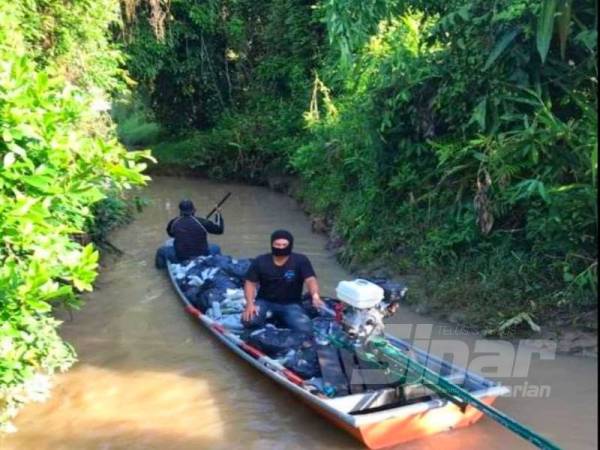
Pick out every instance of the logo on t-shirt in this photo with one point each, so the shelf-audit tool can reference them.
(289, 275)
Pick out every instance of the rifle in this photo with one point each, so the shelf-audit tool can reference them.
(223, 200)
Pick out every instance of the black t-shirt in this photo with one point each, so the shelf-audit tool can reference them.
(280, 284)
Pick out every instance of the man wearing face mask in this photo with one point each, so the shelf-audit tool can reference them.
(280, 276)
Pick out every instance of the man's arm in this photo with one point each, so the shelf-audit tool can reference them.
(250, 282)
(250, 294)
(170, 227)
(312, 285)
(216, 227)
(310, 280)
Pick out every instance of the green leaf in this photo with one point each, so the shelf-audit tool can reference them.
(479, 114)
(82, 285)
(39, 306)
(90, 195)
(6, 135)
(545, 27)
(568, 277)
(594, 164)
(23, 206)
(589, 38)
(564, 24)
(464, 12)
(542, 191)
(500, 46)
(9, 159)
(43, 183)
(13, 147)
(63, 291)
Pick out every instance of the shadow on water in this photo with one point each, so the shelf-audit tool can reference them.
(150, 377)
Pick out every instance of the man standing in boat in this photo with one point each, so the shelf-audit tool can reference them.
(280, 277)
(189, 235)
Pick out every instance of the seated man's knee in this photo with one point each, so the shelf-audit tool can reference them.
(305, 325)
(214, 249)
(296, 319)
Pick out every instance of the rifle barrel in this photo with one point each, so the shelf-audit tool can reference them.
(223, 200)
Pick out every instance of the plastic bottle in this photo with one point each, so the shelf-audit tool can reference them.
(329, 391)
(321, 332)
(216, 309)
(321, 338)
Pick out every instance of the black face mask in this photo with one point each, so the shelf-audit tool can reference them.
(282, 234)
(281, 251)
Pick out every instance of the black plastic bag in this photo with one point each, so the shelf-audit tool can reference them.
(276, 342)
(206, 297)
(191, 292)
(196, 270)
(219, 261)
(222, 281)
(304, 363)
(238, 269)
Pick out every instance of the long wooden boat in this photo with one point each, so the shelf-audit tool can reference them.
(366, 416)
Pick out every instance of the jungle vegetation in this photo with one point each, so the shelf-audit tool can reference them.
(62, 174)
(455, 138)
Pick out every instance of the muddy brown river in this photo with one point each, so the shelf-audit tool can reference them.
(149, 377)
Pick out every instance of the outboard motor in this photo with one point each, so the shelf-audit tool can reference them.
(365, 307)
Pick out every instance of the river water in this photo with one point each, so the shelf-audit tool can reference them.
(149, 377)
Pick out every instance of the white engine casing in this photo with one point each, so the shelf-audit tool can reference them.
(359, 293)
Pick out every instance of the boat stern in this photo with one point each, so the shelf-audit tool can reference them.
(377, 433)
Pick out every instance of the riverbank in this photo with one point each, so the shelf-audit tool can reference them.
(573, 334)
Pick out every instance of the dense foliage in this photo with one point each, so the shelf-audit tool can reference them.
(233, 77)
(457, 137)
(463, 142)
(58, 159)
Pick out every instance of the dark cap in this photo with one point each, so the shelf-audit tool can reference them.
(186, 207)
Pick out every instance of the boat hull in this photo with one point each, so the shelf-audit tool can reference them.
(399, 430)
(378, 429)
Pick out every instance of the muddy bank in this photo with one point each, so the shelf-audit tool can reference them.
(148, 377)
